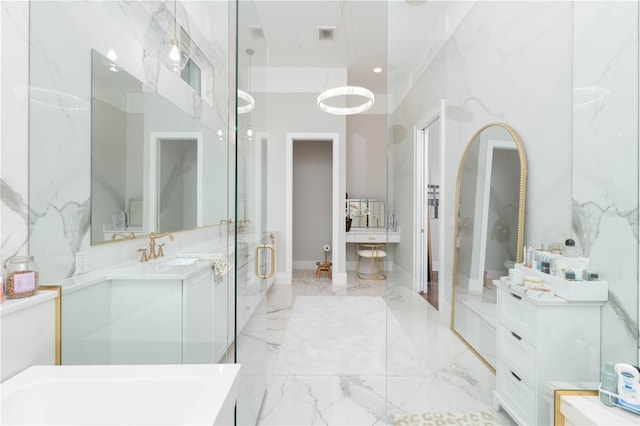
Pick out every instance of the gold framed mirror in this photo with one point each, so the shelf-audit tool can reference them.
(488, 232)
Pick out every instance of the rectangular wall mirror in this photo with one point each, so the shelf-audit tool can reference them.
(144, 153)
(366, 213)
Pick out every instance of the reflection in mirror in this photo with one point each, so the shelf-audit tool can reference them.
(116, 151)
(365, 213)
(488, 231)
(147, 160)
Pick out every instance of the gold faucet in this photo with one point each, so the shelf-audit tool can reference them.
(152, 244)
(242, 223)
(129, 236)
(228, 222)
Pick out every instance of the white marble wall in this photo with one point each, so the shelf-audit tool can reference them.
(14, 169)
(577, 115)
(62, 36)
(508, 62)
(605, 161)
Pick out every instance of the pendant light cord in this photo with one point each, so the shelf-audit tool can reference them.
(175, 20)
(340, 25)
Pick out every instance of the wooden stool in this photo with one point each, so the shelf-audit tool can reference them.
(323, 268)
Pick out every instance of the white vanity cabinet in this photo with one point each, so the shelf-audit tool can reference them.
(142, 314)
(28, 333)
(542, 340)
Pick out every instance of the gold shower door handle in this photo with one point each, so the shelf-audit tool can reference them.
(257, 264)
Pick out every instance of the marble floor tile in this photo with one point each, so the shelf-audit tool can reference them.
(451, 378)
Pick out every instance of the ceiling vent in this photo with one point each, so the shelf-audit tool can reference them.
(326, 33)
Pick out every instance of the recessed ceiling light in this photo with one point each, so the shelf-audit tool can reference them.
(377, 70)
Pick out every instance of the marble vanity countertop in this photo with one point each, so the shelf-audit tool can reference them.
(588, 410)
(163, 268)
(133, 270)
(9, 306)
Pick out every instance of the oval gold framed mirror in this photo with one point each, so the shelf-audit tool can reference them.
(488, 232)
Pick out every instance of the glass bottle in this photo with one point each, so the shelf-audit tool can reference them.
(570, 249)
(21, 277)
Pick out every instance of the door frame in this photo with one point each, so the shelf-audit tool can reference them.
(337, 199)
(436, 112)
(150, 180)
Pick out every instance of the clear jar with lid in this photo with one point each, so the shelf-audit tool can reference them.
(21, 277)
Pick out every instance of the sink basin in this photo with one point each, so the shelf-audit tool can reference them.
(180, 261)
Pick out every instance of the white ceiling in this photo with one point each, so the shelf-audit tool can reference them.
(401, 36)
(291, 32)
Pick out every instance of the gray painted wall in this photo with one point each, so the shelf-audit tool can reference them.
(312, 180)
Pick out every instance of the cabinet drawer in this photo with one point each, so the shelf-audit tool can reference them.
(373, 239)
(517, 314)
(517, 353)
(517, 394)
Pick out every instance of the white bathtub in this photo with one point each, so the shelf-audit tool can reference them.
(115, 395)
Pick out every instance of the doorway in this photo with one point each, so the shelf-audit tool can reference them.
(339, 275)
(173, 193)
(429, 222)
(312, 181)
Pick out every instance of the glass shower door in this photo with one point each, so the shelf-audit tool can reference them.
(254, 256)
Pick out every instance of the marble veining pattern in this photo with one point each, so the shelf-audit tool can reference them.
(59, 118)
(14, 146)
(452, 378)
(605, 162)
(342, 335)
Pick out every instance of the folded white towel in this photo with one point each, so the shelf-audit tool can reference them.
(219, 261)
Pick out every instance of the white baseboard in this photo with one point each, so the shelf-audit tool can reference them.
(339, 279)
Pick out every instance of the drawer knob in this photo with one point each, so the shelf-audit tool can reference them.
(516, 336)
(516, 296)
(516, 376)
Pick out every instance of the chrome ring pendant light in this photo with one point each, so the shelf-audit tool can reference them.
(346, 91)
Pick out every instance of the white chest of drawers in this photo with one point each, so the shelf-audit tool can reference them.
(541, 340)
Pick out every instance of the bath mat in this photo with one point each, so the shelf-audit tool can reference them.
(436, 418)
(346, 336)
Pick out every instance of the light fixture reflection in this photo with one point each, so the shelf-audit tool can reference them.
(251, 103)
(172, 54)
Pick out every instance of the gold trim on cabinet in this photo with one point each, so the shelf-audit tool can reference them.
(558, 417)
(273, 261)
(58, 313)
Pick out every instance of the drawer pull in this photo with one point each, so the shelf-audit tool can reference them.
(516, 336)
(516, 376)
(516, 296)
